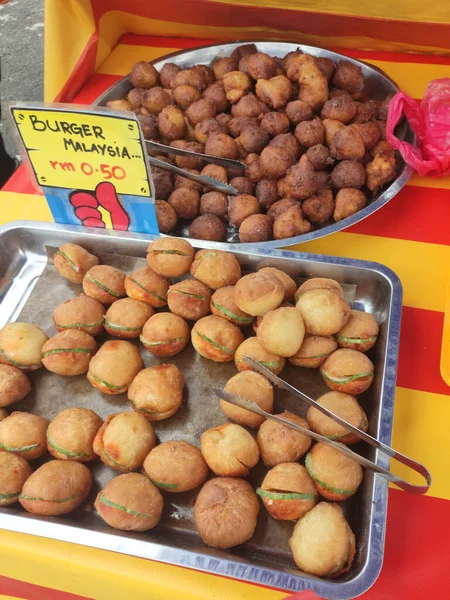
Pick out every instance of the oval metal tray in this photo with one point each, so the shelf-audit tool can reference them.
(378, 86)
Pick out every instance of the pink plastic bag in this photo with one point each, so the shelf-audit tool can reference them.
(430, 121)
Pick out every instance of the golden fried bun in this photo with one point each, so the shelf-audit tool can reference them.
(289, 284)
(337, 476)
(343, 406)
(348, 371)
(170, 257)
(56, 488)
(157, 392)
(176, 466)
(314, 350)
(82, 313)
(165, 334)
(253, 387)
(215, 268)
(69, 352)
(281, 331)
(229, 450)
(126, 318)
(14, 471)
(279, 443)
(319, 283)
(216, 338)
(145, 285)
(14, 385)
(24, 434)
(21, 345)
(189, 299)
(130, 502)
(359, 333)
(70, 436)
(236, 85)
(252, 347)
(223, 305)
(73, 262)
(322, 542)
(124, 440)
(104, 283)
(288, 492)
(257, 293)
(114, 367)
(225, 512)
(323, 311)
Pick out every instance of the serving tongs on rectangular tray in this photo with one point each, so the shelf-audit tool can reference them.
(204, 180)
(253, 407)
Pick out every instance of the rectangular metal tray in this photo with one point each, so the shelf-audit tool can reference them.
(25, 277)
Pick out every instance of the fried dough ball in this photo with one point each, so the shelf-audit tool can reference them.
(214, 203)
(83, 313)
(70, 436)
(290, 223)
(126, 317)
(176, 466)
(168, 73)
(347, 144)
(281, 206)
(379, 171)
(72, 262)
(135, 97)
(319, 283)
(322, 542)
(124, 440)
(155, 99)
(21, 345)
(244, 50)
(290, 58)
(288, 492)
(216, 172)
(223, 305)
(206, 73)
(215, 268)
(281, 331)
(104, 283)
(261, 66)
(253, 139)
(323, 181)
(241, 207)
(288, 283)
(300, 181)
(216, 93)
(114, 367)
(326, 65)
(348, 174)
(298, 111)
(224, 119)
(275, 91)
(165, 215)
(157, 392)
(162, 181)
(324, 312)
(144, 75)
(252, 347)
(170, 257)
(229, 450)
(275, 161)
(359, 333)
(288, 142)
(348, 77)
(185, 203)
(14, 385)
(243, 185)
(238, 124)
(185, 95)
(200, 110)
(221, 145)
(257, 293)
(14, 471)
(254, 168)
(171, 123)
(369, 132)
(310, 133)
(319, 208)
(314, 350)
(275, 123)
(348, 202)
(56, 488)
(266, 192)
(224, 65)
(236, 84)
(121, 104)
(190, 77)
(68, 352)
(165, 334)
(249, 106)
(343, 406)
(189, 299)
(341, 108)
(216, 338)
(383, 108)
(279, 443)
(130, 502)
(348, 371)
(145, 285)
(373, 106)
(189, 162)
(205, 128)
(363, 113)
(313, 83)
(225, 512)
(24, 434)
(383, 148)
(337, 477)
(320, 157)
(253, 387)
(256, 228)
(149, 126)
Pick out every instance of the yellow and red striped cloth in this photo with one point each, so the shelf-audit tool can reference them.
(411, 235)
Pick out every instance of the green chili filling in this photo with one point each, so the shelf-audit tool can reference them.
(144, 341)
(70, 350)
(9, 496)
(129, 511)
(284, 495)
(120, 327)
(109, 457)
(207, 254)
(67, 453)
(215, 344)
(323, 484)
(350, 340)
(160, 298)
(177, 252)
(108, 385)
(79, 325)
(104, 287)
(164, 486)
(189, 294)
(231, 315)
(19, 449)
(144, 410)
(72, 265)
(316, 356)
(350, 378)
(22, 497)
(268, 364)
(14, 363)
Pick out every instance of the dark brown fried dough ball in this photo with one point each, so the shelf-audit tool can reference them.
(320, 157)
(348, 77)
(144, 75)
(290, 223)
(253, 139)
(237, 125)
(256, 228)
(243, 66)
(185, 203)
(275, 123)
(155, 99)
(323, 180)
(216, 93)
(341, 109)
(348, 202)
(261, 66)
(185, 95)
(300, 180)
(331, 128)
(168, 73)
(72, 262)
(347, 144)
(165, 334)
(216, 172)
(382, 128)
(14, 385)
(222, 145)
(383, 108)
(189, 162)
(162, 180)
(189, 77)
(216, 268)
(134, 97)
(290, 58)
(205, 128)
(243, 185)
(224, 65)
(165, 215)
(275, 92)
(69, 352)
(266, 192)
(280, 206)
(241, 207)
(275, 161)
(326, 65)
(254, 168)
(200, 110)
(149, 126)
(348, 173)
(206, 73)
(369, 132)
(373, 106)
(214, 203)
(249, 106)
(236, 84)
(189, 299)
(363, 114)
(208, 227)
(14, 471)
(337, 93)
(298, 111)
(244, 50)
(171, 123)
(288, 142)
(310, 133)
(319, 208)
(121, 104)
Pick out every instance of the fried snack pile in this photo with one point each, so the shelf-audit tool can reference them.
(312, 139)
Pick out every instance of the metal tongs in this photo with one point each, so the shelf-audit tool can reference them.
(204, 180)
(253, 407)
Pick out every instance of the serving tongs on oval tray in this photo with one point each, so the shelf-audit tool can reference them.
(204, 180)
(281, 383)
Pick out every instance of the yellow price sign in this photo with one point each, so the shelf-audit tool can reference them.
(76, 149)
